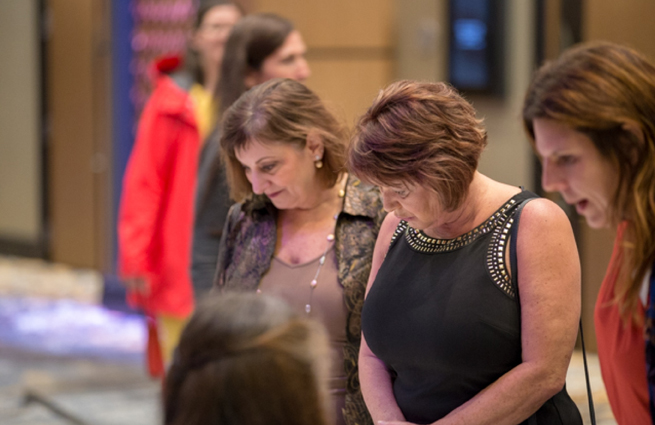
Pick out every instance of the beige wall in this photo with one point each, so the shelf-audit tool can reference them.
(20, 110)
(79, 99)
(350, 48)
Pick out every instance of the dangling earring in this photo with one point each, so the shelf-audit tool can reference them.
(318, 163)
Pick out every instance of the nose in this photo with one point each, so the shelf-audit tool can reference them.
(302, 72)
(258, 183)
(552, 179)
(389, 202)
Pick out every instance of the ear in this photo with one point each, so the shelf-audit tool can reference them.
(251, 79)
(315, 144)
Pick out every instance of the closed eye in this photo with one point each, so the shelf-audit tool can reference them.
(267, 168)
(566, 160)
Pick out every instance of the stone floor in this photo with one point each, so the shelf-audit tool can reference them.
(65, 359)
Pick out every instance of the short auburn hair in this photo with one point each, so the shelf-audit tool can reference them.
(420, 133)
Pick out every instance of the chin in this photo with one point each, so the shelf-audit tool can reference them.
(598, 222)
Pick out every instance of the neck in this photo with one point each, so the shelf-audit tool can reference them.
(467, 216)
(211, 76)
(328, 202)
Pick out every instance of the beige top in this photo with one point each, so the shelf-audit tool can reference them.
(292, 283)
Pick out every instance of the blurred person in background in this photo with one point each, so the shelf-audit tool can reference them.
(245, 359)
(156, 209)
(261, 47)
(591, 117)
(303, 230)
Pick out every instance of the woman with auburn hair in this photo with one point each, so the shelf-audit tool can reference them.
(261, 46)
(303, 229)
(248, 360)
(591, 117)
(471, 315)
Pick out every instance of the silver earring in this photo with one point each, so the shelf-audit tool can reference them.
(318, 163)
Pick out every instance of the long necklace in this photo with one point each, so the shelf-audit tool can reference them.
(330, 238)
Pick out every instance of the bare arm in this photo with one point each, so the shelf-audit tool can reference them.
(373, 374)
(549, 287)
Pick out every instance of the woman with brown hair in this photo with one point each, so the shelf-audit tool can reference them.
(261, 46)
(303, 229)
(471, 315)
(248, 360)
(591, 117)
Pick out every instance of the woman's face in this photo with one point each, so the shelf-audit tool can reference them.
(286, 174)
(210, 37)
(574, 167)
(288, 61)
(417, 205)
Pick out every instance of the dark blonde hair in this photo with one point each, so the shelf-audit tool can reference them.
(604, 91)
(280, 110)
(252, 40)
(247, 359)
(421, 133)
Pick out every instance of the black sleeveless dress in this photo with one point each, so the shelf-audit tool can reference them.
(444, 316)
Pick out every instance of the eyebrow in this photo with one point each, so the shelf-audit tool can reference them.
(264, 159)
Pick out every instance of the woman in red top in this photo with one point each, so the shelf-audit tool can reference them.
(591, 117)
(156, 210)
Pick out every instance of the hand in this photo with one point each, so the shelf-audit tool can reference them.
(138, 284)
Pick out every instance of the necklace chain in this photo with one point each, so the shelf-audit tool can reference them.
(321, 261)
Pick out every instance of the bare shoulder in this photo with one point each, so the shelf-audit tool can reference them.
(543, 214)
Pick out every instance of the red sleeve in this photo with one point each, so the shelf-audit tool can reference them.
(144, 189)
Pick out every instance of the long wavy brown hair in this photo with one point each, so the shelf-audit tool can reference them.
(607, 92)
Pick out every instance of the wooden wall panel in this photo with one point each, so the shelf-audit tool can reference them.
(342, 23)
(77, 99)
(349, 86)
(628, 22)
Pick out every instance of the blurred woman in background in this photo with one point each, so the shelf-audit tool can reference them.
(156, 211)
(261, 46)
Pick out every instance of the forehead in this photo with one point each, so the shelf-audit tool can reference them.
(553, 137)
(223, 13)
(255, 149)
(292, 44)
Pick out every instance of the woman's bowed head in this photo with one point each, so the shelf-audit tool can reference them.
(282, 119)
(247, 359)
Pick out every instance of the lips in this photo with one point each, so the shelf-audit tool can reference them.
(581, 206)
(274, 194)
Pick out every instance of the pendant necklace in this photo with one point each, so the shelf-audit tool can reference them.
(321, 261)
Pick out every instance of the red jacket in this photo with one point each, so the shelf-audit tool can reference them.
(156, 210)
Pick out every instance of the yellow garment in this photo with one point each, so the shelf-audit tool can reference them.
(204, 109)
(170, 328)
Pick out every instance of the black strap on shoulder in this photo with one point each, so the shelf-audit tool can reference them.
(515, 278)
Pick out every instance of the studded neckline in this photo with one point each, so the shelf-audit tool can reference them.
(420, 242)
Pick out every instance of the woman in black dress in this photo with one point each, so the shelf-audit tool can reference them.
(470, 318)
